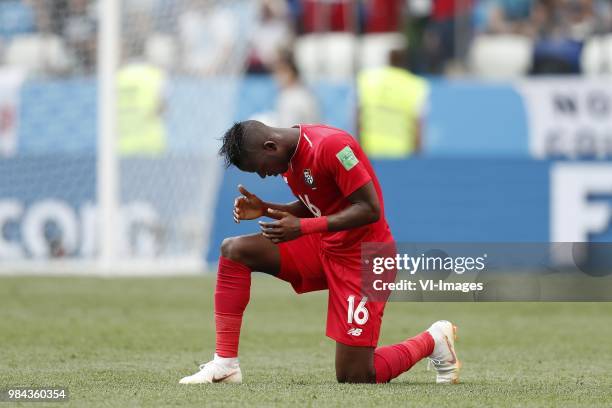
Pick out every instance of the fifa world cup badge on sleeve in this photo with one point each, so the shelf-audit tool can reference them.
(347, 158)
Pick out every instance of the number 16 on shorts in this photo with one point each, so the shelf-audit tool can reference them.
(358, 315)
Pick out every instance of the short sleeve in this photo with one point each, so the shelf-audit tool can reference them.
(340, 156)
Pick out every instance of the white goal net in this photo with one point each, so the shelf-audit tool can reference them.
(110, 113)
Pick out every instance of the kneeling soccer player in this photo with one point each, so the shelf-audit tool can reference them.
(315, 244)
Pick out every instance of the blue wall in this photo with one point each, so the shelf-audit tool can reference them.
(430, 200)
(475, 119)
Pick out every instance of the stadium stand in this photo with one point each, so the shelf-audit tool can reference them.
(38, 54)
(501, 56)
(328, 56)
(374, 48)
(596, 56)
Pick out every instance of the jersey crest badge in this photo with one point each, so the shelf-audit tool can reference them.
(308, 179)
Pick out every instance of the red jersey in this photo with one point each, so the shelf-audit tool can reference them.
(327, 167)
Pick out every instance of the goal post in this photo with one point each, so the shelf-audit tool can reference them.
(107, 162)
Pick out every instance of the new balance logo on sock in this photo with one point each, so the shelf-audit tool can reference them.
(354, 331)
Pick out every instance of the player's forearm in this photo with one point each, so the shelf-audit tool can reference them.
(364, 209)
(295, 208)
(354, 216)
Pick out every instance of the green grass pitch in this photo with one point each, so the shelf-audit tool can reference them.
(127, 342)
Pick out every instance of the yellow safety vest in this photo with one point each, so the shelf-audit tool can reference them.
(139, 96)
(391, 100)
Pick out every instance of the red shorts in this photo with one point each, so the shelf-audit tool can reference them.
(351, 318)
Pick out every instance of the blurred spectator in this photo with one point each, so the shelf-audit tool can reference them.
(330, 15)
(65, 35)
(141, 94)
(271, 35)
(383, 16)
(391, 105)
(207, 33)
(575, 19)
(294, 7)
(558, 28)
(50, 15)
(80, 34)
(603, 13)
(448, 36)
(136, 21)
(561, 27)
(295, 103)
(418, 19)
(503, 16)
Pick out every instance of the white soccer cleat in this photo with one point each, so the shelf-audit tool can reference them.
(219, 370)
(444, 359)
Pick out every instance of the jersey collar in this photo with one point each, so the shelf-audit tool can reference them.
(297, 147)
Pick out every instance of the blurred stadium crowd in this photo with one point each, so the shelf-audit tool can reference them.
(330, 38)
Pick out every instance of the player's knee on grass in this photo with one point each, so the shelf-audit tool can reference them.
(355, 364)
(363, 376)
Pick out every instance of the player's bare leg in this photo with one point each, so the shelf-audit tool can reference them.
(355, 364)
(239, 257)
(254, 251)
(380, 365)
